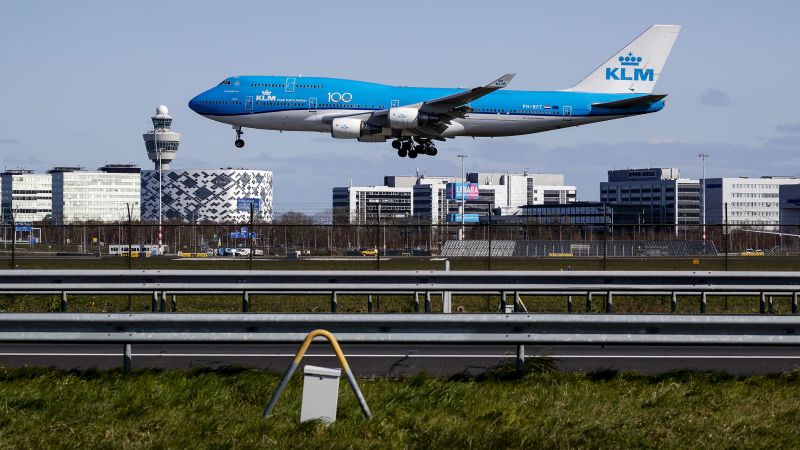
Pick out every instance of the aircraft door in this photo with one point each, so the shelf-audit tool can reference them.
(312, 104)
(290, 82)
(567, 113)
(395, 104)
(248, 103)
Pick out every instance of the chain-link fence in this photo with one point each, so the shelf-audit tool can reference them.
(401, 246)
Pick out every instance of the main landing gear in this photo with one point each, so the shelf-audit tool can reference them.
(412, 148)
(239, 142)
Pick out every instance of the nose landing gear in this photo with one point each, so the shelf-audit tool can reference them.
(412, 148)
(239, 142)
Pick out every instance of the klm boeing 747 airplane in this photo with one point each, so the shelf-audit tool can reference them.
(414, 118)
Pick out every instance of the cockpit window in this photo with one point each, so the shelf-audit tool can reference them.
(226, 82)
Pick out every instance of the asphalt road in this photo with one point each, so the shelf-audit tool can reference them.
(395, 360)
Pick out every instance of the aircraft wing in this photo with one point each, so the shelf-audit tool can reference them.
(450, 102)
(450, 106)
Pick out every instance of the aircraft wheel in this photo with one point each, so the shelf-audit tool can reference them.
(432, 151)
(402, 153)
(239, 143)
(396, 144)
(412, 154)
(406, 146)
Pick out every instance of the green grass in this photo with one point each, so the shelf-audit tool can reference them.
(43, 408)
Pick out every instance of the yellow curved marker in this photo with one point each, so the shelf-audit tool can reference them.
(296, 363)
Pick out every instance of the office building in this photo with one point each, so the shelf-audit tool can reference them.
(107, 195)
(789, 206)
(206, 195)
(668, 198)
(749, 200)
(511, 191)
(26, 196)
(364, 204)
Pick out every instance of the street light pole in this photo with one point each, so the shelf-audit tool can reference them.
(703, 156)
(463, 197)
(158, 150)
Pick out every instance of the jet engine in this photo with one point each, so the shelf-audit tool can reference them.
(406, 118)
(349, 128)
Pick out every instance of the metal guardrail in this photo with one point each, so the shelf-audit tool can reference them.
(517, 328)
(54, 281)
(513, 329)
(607, 284)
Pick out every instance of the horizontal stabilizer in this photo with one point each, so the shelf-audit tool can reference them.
(644, 100)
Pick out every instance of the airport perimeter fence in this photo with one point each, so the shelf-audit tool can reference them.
(403, 246)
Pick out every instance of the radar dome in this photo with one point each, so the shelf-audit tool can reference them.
(162, 110)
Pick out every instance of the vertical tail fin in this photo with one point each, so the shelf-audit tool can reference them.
(635, 68)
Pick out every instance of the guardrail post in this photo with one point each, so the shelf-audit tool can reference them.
(126, 358)
(609, 303)
(762, 303)
(520, 358)
(569, 303)
(245, 301)
(334, 302)
(369, 302)
(588, 302)
(174, 303)
(447, 304)
(794, 302)
(154, 302)
(163, 304)
(63, 305)
(503, 302)
(416, 302)
(771, 305)
(673, 303)
(427, 301)
(703, 302)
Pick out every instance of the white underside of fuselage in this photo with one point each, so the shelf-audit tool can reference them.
(476, 125)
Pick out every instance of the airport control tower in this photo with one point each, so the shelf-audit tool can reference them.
(161, 143)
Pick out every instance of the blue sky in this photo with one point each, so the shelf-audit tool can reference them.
(81, 79)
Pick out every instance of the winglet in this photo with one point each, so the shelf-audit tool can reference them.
(502, 81)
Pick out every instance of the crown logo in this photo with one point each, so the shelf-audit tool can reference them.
(267, 92)
(630, 60)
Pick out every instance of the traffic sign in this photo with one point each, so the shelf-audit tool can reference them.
(243, 204)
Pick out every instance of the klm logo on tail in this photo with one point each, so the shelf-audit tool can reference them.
(629, 70)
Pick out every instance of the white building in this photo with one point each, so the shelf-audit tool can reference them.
(515, 190)
(206, 195)
(26, 196)
(105, 195)
(666, 197)
(748, 200)
(362, 204)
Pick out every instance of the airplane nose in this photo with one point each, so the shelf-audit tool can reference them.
(195, 104)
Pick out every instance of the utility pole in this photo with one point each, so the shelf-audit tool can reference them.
(463, 196)
(378, 239)
(703, 156)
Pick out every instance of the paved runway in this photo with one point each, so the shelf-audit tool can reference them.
(394, 360)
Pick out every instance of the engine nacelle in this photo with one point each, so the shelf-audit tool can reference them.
(407, 118)
(403, 118)
(349, 128)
